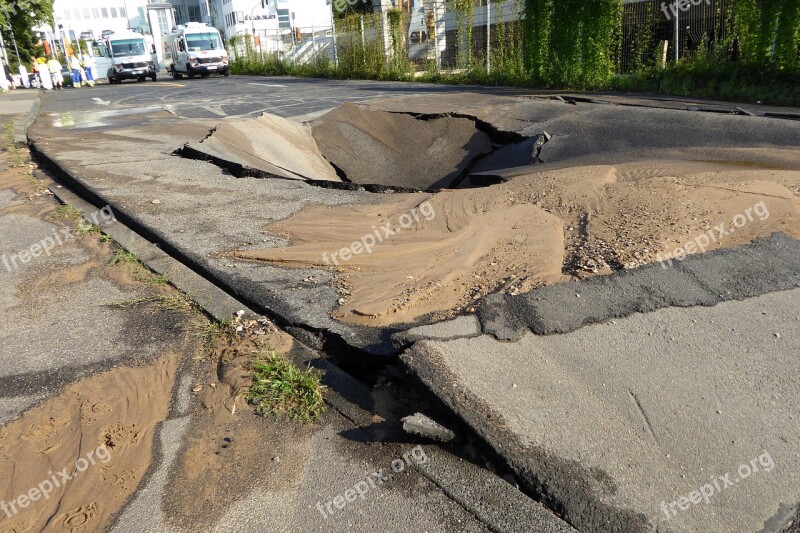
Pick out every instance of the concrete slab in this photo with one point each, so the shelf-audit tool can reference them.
(767, 265)
(271, 144)
(620, 424)
(463, 326)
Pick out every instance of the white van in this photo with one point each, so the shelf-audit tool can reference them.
(195, 50)
(131, 57)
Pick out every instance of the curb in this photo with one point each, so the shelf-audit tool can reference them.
(21, 125)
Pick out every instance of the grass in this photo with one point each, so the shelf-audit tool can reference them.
(165, 301)
(139, 270)
(704, 76)
(87, 229)
(719, 80)
(281, 388)
(16, 156)
(211, 332)
(65, 212)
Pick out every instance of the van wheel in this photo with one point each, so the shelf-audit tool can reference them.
(175, 74)
(189, 72)
(153, 77)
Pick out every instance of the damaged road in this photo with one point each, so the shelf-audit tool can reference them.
(614, 190)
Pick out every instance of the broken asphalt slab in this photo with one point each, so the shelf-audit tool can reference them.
(224, 207)
(620, 424)
(767, 265)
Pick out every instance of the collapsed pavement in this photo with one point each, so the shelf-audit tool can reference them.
(305, 299)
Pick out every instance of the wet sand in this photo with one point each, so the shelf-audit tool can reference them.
(104, 426)
(534, 230)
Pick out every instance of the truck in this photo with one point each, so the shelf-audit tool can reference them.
(130, 57)
(195, 49)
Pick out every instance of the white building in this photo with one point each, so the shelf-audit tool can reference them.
(145, 16)
(240, 17)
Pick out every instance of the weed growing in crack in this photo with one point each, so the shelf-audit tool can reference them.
(65, 212)
(16, 156)
(138, 270)
(165, 301)
(212, 332)
(87, 229)
(281, 388)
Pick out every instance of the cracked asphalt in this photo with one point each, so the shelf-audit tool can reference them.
(601, 420)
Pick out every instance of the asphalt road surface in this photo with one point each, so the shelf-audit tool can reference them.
(237, 96)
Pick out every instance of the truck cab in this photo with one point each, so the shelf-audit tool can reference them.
(130, 57)
(195, 50)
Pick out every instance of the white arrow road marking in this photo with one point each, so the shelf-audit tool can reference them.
(268, 85)
(217, 110)
(101, 101)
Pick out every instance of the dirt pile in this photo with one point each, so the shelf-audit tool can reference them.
(437, 254)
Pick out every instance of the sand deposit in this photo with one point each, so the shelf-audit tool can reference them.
(534, 230)
(116, 410)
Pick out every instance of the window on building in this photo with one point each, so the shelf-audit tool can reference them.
(94, 12)
(86, 13)
(76, 14)
(104, 11)
(123, 13)
(180, 15)
(283, 19)
(162, 21)
(194, 14)
(114, 12)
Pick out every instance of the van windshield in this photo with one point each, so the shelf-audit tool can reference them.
(202, 41)
(127, 47)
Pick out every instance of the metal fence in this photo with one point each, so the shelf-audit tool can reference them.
(435, 35)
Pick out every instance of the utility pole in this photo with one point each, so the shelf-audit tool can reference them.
(677, 30)
(3, 52)
(333, 32)
(489, 36)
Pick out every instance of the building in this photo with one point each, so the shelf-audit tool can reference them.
(247, 17)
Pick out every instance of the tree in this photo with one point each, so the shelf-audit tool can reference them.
(17, 18)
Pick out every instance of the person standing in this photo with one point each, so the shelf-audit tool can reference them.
(75, 68)
(55, 71)
(88, 68)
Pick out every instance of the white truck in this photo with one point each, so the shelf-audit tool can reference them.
(130, 56)
(195, 50)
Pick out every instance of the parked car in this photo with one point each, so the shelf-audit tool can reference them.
(106, 33)
(87, 36)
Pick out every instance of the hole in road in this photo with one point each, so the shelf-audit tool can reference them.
(418, 151)
(352, 147)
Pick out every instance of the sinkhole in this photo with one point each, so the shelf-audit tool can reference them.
(356, 147)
